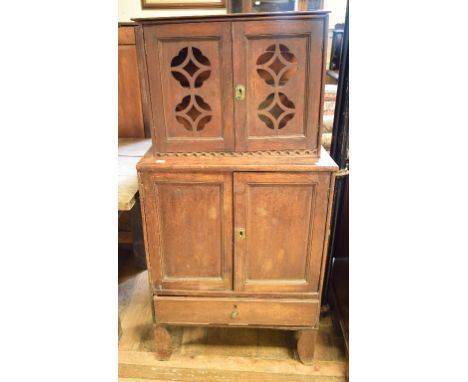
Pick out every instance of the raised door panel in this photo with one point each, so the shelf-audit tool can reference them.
(281, 65)
(280, 221)
(189, 230)
(190, 78)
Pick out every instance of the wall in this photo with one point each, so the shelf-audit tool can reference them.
(338, 11)
(132, 8)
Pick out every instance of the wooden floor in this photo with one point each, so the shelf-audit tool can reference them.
(216, 354)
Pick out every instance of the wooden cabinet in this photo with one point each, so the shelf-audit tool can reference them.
(236, 82)
(236, 193)
(236, 239)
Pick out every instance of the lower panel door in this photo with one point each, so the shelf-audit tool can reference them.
(188, 220)
(280, 221)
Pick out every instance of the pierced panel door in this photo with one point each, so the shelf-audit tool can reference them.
(281, 64)
(190, 78)
(280, 225)
(188, 220)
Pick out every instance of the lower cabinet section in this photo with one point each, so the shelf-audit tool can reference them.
(235, 243)
(236, 312)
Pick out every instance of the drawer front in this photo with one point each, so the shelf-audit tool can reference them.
(235, 311)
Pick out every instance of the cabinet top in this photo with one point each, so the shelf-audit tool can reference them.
(293, 160)
(233, 17)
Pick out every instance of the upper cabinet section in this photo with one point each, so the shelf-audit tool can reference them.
(237, 82)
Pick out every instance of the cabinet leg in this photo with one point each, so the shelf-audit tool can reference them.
(306, 345)
(163, 342)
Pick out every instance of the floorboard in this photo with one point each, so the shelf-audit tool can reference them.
(217, 354)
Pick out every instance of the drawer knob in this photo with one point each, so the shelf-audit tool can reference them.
(234, 314)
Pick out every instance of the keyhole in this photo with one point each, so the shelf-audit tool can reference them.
(240, 92)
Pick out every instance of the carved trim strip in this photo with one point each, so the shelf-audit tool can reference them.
(281, 153)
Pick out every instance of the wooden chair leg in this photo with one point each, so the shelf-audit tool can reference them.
(163, 341)
(306, 345)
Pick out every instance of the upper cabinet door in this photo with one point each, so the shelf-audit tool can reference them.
(280, 221)
(188, 230)
(281, 64)
(190, 80)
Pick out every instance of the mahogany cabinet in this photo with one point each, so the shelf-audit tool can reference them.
(239, 82)
(236, 240)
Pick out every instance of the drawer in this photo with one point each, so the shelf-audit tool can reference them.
(235, 311)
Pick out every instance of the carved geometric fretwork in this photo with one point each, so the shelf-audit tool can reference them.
(276, 110)
(191, 68)
(192, 113)
(276, 66)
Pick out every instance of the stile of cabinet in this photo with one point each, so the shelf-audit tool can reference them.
(236, 85)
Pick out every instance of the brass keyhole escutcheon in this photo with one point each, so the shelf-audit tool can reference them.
(234, 313)
(241, 233)
(240, 92)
